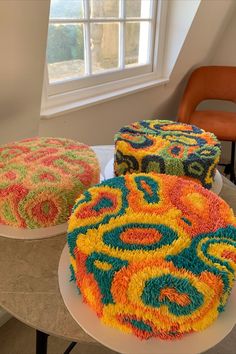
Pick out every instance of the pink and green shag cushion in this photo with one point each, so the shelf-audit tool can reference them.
(40, 179)
(153, 255)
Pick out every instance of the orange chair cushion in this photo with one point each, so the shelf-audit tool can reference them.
(222, 124)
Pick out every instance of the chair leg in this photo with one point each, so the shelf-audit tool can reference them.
(232, 172)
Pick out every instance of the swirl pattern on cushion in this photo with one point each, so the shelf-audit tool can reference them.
(164, 146)
(153, 254)
(40, 179)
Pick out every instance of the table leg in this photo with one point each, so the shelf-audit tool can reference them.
(41, 342)
(71, 346)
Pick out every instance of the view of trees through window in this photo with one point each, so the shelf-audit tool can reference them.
(65, 43)
(69, 28)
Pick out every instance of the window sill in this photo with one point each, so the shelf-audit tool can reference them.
(60, 104)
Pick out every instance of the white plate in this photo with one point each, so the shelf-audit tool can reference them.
(217, 184)
(104, 154)
(129, 344)
(216, 187)
(109, 169)
(32, 234)
(35, 234)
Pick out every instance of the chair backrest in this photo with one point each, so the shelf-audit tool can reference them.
(205, 83)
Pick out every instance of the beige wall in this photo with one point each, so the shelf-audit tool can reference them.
(224, 54)
(23, 33)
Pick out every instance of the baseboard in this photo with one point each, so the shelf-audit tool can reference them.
(4, 316)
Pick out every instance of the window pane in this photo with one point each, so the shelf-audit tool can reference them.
(138, 8)
(136, 43)
(66, 9)
(65, 51)
(104, 46)
(104, 8)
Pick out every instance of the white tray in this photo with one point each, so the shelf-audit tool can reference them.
(216, 187)
(129, 344)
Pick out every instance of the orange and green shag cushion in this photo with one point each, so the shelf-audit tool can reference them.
(164, 146)
(40, 179)
(153, 254)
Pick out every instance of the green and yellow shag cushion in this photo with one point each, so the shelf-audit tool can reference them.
(40, 179)
(167, 147)
(152, 254)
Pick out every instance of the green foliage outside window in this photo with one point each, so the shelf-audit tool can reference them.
(65, 42)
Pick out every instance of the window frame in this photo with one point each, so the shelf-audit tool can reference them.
(87, 90)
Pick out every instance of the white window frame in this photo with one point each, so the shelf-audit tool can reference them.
(74, 94)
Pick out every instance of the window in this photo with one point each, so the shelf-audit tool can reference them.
(93, 44)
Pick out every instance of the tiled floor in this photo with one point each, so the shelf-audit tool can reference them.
(17, 338)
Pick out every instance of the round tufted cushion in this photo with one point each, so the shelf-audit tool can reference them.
(40, 178)
(167, 147)
(153, 255)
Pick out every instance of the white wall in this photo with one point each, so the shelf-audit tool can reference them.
(97, 124)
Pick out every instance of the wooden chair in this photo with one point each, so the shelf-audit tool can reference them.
(206, 83)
